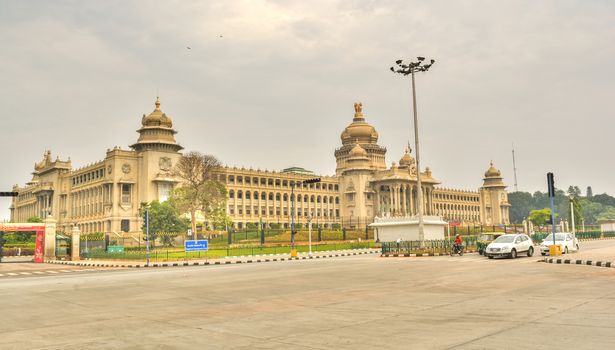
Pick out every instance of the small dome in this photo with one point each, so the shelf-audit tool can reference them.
(157, 117)
(406, 160)
(492, 172)
(358, 152)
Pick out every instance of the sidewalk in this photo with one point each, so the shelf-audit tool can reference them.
(221, 261)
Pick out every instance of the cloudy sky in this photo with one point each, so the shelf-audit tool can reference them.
(271, 84)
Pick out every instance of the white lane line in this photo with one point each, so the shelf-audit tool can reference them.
(26, 273)
(1, 275)
(12, 274)
(50, 271)
(38, 272)
(65, 270)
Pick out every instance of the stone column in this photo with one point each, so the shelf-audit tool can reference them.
(403, 202)
(412, 210)
(50, 238)
(390, 200)
(75, 243)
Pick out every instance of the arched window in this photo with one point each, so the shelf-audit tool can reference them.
(239, 194)
(270, 196)
(285, 183)
(277, 196)
(318, 199)
(255, 195)
(305, 198)
(231, 194)
(285, 197)
(263, 196)
(248, 195)
(312, 199)
(324, 199)
(337, 201)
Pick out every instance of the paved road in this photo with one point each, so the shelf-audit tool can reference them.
(27, 269)
(358, 302)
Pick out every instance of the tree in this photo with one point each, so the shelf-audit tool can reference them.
(589, 193)
(540, 217)
(521, 205)
(164, 218)
(220, 220)
(199, 191)
(574, 191)
(607, 214)
(604, 199)
(591, 210)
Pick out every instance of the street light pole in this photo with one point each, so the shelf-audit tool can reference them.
(293, 252)
(410, 69)
(572, 214)
(310, 230)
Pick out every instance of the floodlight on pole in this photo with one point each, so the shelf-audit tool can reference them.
(293, 251)
(410, 69)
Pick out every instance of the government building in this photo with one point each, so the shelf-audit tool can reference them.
(105, 196)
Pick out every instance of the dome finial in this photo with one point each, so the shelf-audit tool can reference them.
(157, 103)
(358, 110)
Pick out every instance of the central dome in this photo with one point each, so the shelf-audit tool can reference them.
(359, 130)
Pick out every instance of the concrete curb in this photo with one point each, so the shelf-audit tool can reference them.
(595, 239)
(255, 259)
(398, 255)
(578, 262)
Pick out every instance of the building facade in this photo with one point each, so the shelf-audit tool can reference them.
(105, 196)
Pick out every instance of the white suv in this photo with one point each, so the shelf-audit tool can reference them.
(510, 245)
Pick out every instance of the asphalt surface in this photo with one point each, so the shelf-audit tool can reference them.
(357, 302)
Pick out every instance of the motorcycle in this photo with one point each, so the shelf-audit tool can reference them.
(457, 249)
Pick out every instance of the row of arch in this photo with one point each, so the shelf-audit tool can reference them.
(456, 197)
(282, 196)
(458, 212)
(271, 182)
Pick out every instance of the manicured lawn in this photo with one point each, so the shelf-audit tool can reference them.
(220, 252)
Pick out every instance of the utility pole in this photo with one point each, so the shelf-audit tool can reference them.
(515, 168)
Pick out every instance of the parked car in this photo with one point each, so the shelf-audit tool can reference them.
(567, 242)
(510, 245)
(484, 239)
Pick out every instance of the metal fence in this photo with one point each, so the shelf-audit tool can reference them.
(430, 246)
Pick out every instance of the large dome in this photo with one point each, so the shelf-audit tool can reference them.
(359, 130)
(157, 117)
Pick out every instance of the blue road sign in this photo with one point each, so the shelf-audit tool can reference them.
(196, 245)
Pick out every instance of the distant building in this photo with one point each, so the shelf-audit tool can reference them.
(105, 196)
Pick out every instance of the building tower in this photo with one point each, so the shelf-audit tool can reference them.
(494, 199)
(357, 160)
(157, 153)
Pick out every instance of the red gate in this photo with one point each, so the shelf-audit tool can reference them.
(40, 236)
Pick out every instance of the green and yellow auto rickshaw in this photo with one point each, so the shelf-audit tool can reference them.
(484, 239)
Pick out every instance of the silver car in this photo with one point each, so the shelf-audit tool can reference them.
(510, 245)
(567, 242)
